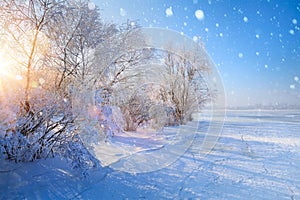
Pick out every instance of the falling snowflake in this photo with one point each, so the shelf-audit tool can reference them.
(184, 24)
(123, 12)
(294, 21)
(221, 34)
(266, 66)
(195, 38)
(257, 53)
(199, 14)
(41, 81)
(296, 78)
(241, 55)
(169, 12)
(206, 29)
(245, 19)
(257, 36)
(91, 6)
(19, 77)
(292, 87)
(217, 25)
(132, 23)
(292, 32)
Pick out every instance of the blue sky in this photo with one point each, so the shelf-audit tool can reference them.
(254, 44)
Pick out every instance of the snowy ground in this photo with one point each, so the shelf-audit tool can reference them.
(256, 157)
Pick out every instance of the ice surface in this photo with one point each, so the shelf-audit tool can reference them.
(256, 157)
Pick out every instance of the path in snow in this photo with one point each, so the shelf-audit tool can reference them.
(257, 157)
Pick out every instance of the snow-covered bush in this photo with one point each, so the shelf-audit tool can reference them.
(47, 130)
(158, 117)
(118, 117)
(135, 109)
(37, 118)
(77, 154)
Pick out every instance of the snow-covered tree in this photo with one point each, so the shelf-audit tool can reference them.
(43, 125)
(117, 58)
(119, 67)
(23, 24)
(75, 31)
(183, 88)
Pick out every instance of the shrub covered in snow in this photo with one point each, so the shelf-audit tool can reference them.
(47, 130)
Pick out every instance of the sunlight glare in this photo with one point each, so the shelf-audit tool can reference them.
(3, 65)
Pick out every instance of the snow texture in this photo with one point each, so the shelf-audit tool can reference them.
(257, 157)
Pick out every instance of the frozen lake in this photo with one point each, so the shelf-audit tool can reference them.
(256, 157)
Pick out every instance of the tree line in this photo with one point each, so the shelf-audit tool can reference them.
(58, 46)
